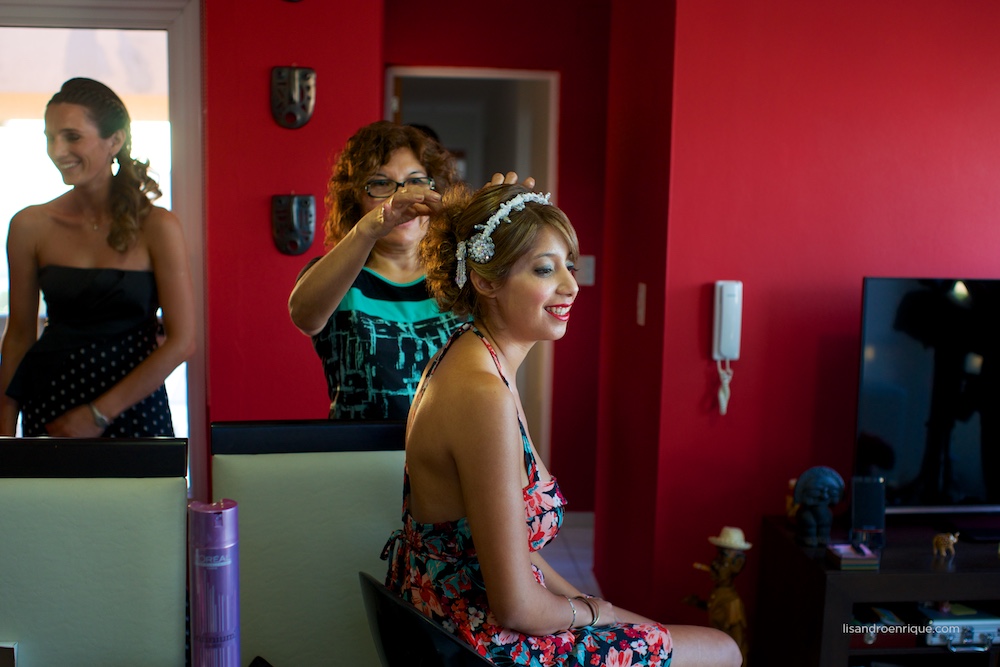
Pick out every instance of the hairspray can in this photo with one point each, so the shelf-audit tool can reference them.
(213, 539)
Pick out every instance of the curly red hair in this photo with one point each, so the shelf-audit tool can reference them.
(365, 152)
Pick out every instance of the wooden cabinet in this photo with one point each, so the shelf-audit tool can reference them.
(804, 605)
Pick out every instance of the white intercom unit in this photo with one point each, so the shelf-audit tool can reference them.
(726, 334)
(728, 320)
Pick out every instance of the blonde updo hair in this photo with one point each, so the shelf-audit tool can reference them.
(461, 211)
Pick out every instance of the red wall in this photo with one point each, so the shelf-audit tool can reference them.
(259, 365)
(631, 355)
(812, 144)
(571, 38)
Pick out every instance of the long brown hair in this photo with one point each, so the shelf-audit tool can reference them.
(133, 190)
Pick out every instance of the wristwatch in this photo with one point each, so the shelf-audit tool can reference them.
(99, 418)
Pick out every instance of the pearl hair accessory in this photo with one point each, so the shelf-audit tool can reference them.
(479, 247)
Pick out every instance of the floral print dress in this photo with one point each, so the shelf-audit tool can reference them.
(435, 567)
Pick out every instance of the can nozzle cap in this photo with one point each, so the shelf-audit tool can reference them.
(213, 525)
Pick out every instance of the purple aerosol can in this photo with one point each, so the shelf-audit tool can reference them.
(213, 544)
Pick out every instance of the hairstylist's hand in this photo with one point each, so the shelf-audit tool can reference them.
(400, 208)
(510, 178)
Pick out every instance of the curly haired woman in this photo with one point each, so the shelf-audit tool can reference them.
(364, 303)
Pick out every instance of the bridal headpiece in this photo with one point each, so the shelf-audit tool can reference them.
(479, 247)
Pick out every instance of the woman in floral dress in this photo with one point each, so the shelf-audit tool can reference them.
(478, 504)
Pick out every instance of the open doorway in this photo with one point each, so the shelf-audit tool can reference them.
(492, 120)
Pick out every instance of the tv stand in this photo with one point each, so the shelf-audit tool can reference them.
(804, 604)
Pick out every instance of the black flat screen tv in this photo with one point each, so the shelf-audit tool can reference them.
(928, 418)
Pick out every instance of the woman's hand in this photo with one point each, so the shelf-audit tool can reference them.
(403, 206)
(510, 178)
(75, 423)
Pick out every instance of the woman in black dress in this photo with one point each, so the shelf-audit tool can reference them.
(106, 260)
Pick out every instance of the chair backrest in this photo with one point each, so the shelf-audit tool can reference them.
(92, 550)
(404, 637)
(306, 435)
(313, 512)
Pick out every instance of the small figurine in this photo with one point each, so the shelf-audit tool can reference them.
(724, 606)
(944, 544)
(816, 490)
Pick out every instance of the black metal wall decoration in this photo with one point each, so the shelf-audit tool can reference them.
(293, 95)
(293, 222)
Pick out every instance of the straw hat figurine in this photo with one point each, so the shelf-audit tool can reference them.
(724, 606)
(731, 538)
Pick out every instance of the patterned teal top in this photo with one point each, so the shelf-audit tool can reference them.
(376, 344)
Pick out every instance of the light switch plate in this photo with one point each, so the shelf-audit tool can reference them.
(640, 305)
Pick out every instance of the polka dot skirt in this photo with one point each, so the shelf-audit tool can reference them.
(89, 372)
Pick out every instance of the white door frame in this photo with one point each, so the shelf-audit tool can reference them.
(182, 21)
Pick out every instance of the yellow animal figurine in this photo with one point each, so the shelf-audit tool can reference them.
(944, 544)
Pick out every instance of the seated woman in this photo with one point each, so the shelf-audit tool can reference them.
(478, 504)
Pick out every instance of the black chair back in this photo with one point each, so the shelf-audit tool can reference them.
(300, 436)
(92, 457)
(404, 637)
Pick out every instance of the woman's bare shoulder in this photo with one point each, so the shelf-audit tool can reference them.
(36, 212)
(34, 222)
(54, 212)
(468, 373)
(160, 220)
(466, 395)
(162, 233)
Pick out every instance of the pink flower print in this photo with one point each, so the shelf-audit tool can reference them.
(545, 645)
(506, 637)
(639, 647)
(530, 505)
(659, 639)
(427, 597)
(476, 617)
(616, 659)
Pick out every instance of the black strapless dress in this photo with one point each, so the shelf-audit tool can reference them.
(101, 324)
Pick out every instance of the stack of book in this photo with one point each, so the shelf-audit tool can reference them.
(851, 557)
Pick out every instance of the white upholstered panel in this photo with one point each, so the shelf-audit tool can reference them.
(308, 524)
(92, 571)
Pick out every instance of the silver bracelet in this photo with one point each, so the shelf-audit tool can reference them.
(573, 607)
(595, 610)
(99, 418)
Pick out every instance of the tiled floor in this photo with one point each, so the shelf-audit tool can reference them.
(571, 554)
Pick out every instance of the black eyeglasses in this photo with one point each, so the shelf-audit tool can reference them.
(380, 188)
